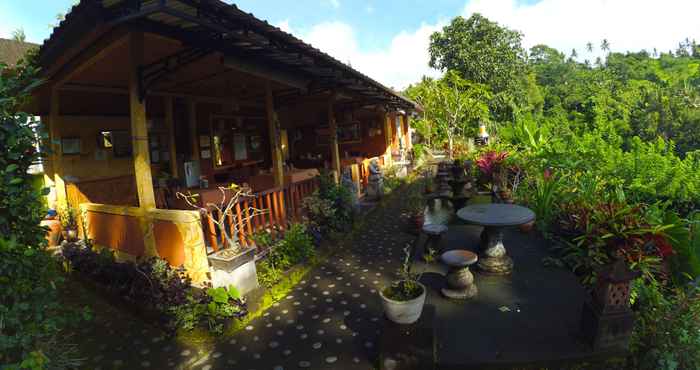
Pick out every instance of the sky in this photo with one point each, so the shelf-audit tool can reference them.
(388, 39)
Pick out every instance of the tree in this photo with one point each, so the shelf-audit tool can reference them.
(453, 104)
(19, 35)
(589, 47)
(483, 52)
(605, 45)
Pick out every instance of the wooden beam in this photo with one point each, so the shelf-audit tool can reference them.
(56, 156)
(194, 132)
(273, 129)
(333, 125)
(90, 56)
(170, 124)
(139, 131)
(266, 72)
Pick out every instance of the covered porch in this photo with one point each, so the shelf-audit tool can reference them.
(162, 97)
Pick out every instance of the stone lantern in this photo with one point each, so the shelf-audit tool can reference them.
(607, 320)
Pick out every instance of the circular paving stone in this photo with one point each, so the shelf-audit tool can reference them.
(185, 352)
(304, 364)
(287, 352)
(317, 345)
(273, 344)
(256, 356)
(331, 359)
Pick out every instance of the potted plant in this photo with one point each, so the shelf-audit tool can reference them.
(404, 299)
(69, 223)
(232, 264)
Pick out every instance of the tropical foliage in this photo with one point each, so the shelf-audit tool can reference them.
(607, 155)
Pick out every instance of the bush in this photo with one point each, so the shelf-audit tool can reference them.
(153, 284)
(330, 208)
(297, 246)
(30, 316)
(667, 328)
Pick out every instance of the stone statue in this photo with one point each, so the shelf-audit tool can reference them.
(375, 182)
(346, 182)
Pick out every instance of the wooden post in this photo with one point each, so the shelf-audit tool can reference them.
(333, 125)
(56, 155)
(139, 131)
(170, 124)
(194, 133)
(388, 133)
(409, 142)
(272, 127)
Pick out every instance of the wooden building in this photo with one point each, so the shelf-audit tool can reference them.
(142, 96)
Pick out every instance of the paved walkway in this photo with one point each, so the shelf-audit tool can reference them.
(330, 320)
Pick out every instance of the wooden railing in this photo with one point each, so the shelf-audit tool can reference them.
(271, 210)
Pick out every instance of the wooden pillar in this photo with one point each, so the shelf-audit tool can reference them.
(194, 133)
(170, 124)
(409, 141)
(388, 135)
(56, 154)
(139, 131)
(273, 129)
(333, 125)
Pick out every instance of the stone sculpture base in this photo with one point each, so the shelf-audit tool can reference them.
(502, 265)
(493, 259)
(460, 284)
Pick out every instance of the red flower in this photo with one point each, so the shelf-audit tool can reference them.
(489, 160)
(547, 174)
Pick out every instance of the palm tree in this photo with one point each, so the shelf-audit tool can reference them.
(589, 47)
(605, 45)
(574, 54)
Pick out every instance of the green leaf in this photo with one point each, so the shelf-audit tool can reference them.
(11, 167)
(218, 295)
(15, 181)
(233, 292)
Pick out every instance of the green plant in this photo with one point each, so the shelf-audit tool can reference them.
(546, 187)
(667, 328)
(296, 246)
(68, 217)
(330, 208)
(407, 286)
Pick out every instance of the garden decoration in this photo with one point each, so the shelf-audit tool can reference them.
(375, 182)
(460, 281)
(495, 218)
(416, 206)
(404, 299)
(346, 182)
(232, 264)
(607, 321)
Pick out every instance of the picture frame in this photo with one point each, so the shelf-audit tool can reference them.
(70, 145)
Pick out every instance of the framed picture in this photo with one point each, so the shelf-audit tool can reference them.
(70, 145)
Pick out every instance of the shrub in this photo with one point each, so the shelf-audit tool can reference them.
(30, 316)
(667, 328)
(153, 284)
(330, 208)
(297, 246)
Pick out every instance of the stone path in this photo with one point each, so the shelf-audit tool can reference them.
(330, 320)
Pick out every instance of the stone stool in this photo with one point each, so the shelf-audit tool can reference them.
(434, 233)
(460, 281)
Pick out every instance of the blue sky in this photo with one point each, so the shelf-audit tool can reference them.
(388, 39)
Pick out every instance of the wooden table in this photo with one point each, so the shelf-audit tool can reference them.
(495, 218)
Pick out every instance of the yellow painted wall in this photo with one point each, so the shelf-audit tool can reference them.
(85, 167)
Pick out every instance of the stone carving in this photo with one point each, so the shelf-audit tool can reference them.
(375, 182)
(347, 182)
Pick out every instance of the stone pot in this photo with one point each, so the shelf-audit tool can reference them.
(234, 268)
(527, 227)
(403, 312)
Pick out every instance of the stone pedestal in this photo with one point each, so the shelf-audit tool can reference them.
(460, 281)
(493, 258)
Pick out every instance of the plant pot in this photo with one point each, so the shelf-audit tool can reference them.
(403, 312)
(527, 227)
(418, 220)
(234, 268)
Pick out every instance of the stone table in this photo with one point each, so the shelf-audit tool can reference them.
(494, 218)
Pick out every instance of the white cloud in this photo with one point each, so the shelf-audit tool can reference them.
(628, 25)
(334, 3)
(284, 26)
(403, 62)
(369, 9)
